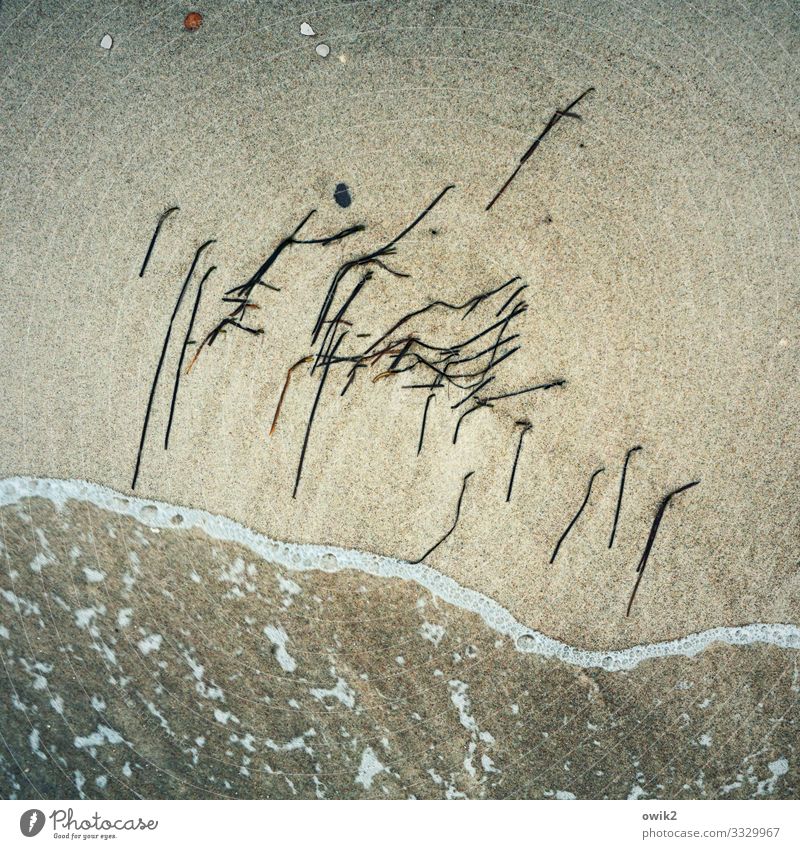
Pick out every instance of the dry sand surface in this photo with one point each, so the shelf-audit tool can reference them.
(657, 237)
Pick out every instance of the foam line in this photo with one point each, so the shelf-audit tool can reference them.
(301, 557)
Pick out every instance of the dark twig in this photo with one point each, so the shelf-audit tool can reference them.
(164, 215)
(186, 339)
(366, 259)
(424, 419)
(324, 348)
(491, 349)
(473, 392)
(455, 522)
(554, 119)
(510, 299)
(283, 391)
(528, 389)
(526, 426)
(652, 538)
(242, 293)
(577, 515)
(478, 406)
(621, 490)
(468, 305)
(451, 378)
(161, 358)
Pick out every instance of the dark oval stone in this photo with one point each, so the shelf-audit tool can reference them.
(341, 195)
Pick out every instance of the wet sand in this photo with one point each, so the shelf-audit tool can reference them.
(165, 663)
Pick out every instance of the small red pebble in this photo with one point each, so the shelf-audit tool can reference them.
(193, 21)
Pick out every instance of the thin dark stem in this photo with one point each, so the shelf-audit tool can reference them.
(333, 325)
(491, 349)
(455, 522)
(529, 389)
(478, 406)
(526, 427)
(503, 322)
(322, 380)
(554, 119)
(161, 220)
(393, 365)
(652, 537)
(424, 419)
(186, 339)
(161, 359)
(577, 515)
(496, 362)
(470, 303)
(283, 391)
(473, 392)
(351, 379)
(510, 299)
(366, 259)
(467, 305)
(621, 490)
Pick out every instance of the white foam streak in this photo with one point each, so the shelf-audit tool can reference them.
(302, 557)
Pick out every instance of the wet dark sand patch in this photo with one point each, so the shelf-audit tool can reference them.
(168, 664)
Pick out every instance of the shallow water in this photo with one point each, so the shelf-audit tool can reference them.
(152, 656)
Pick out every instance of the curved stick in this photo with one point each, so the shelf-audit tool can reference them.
(183, 354)
(433, 548)
(164, 216)
(652, 537)
(577, 515)
(478, 405)
(283, 391)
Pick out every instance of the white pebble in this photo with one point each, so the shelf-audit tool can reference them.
(106, 42)
(306, 29)
(323, 50)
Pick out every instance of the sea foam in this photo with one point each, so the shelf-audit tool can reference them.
(303, 557)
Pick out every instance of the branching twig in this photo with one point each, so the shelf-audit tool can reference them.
(554, 119)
